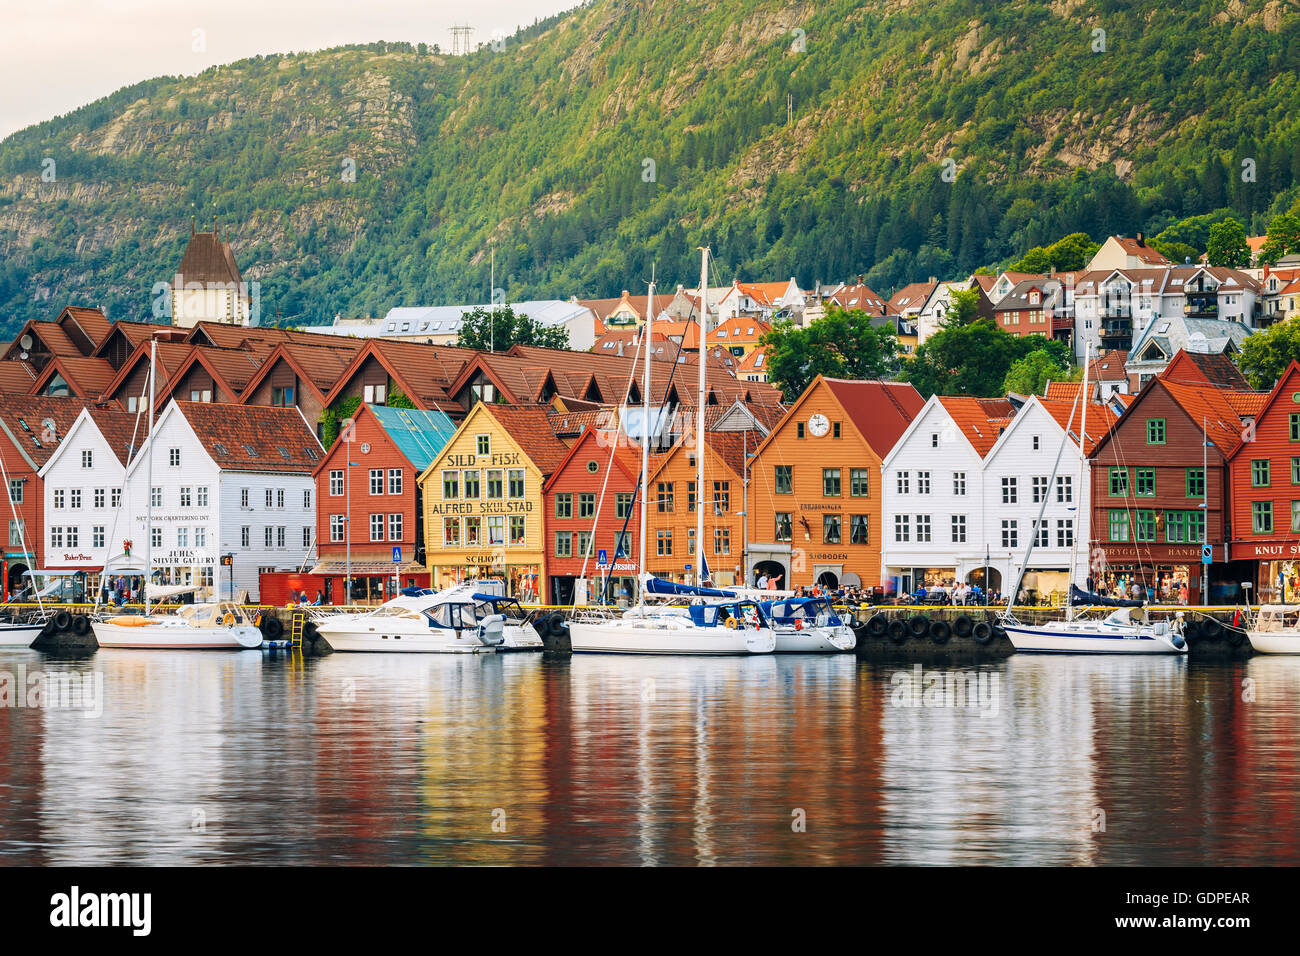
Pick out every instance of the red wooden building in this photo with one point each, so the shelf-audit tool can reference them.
(572, 500)
(389, 448)
(1159, 493)
(1264, 476)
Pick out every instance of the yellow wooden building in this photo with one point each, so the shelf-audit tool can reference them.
(483, 511)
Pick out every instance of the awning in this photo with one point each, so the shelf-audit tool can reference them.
(851, 580)
(368, 566)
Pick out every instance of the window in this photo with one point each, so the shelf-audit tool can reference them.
(377, 527)
(268, 535)
(690, 540)
(374, 394)
(394, 481)
(902, 529)
(472, 484)
(56, 536)
(622, 544)
(563, 544)
(60, 498)
(244, 533)
(336, 528)
(722, 541)
(1040, 488)
(1064, 489)
(922, 482)
(201, 497)
(73, 539)
(17, 531)
(496, 529)
(155, 497)
(582, 544)
(1145, 483)
(1295, 426)
(279, 536)
(451, 532)
(336, 482)
(96, 536)
(831, 529)
(376, 481)
(269, 497)
(1119, 526)
(1155, 431)
(1195, 482)
(835, 430)
(174, 457)
(564, 504)
(306, 497)
(156, 538)
(518, 530)
(1144, 526)
(516, 479)
(1118, 483)
(904, 482)
(182, 537)
(87, 459)
(1010, 535)
(664, 543)
(784, 526)
(959, 483)
(115, 498)
(690, 495)
(783, 481)
(1041, 538)
(1036, 443)
(586, 504)
(1259, 473)
(1261, 517)
(16, 490)
(495, 484)
(473, 531)
(98, 497)
(858, 529)
(186, 496)
(858, 482)
(451, 485)
(665, 496)
(1295, 471)
(830, 482)
(623, 505)
(74, 498)
(923, 529)
(1295, 516)
(798, 430)
(1010, 491)
(483, 444)
(722, 497)
(395, 527)
(1065, 532)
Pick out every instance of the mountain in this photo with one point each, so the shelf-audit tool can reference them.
(900, 138)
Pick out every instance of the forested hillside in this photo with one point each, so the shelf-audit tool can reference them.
(899, 138)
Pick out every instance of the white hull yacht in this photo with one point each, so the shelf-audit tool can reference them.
(808, 626)
(453, 621)
(1276, 629)
(222, 626)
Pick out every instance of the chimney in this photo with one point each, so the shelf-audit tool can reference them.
(1141, 239)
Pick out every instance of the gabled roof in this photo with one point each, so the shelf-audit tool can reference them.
(860, 297)
(135, 333)
(318, 368)
(170, 357)
(738, 329)
(880, 411)
(1109, 367)
(208, 258)
(1101, 418)
(257, 438)
(23, 419)
(626, 456)
(1140, 250)
(86, 377)
(1204, 367)
(419, 435)
(754, 362)
(92, 323)
(16, 377)
(980, 420)
(232, 369)
(423, 372)
(529, 428)
(1204, 405)
(49, 334)
(1263, 401)
(912, 296)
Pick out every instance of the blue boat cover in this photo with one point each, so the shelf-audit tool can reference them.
(660, 586)
(1079, 597)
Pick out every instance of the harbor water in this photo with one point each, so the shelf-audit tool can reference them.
(257, 758)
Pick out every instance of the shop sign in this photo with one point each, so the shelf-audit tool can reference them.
(1278, 549)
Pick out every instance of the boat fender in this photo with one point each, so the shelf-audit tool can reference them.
(80, 624)
(897, 630)
(919, 625)
(963, 626)
(272, 628)
(731, 623)
(1192, 630)
(61, 620)
(1212, 629)
(228, 620)
(982, 632)
(940, 631)
(1178, 642)
(1236, 637)
(878, 626)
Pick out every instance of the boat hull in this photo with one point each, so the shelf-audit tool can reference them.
(618, 637)
(1275, 642)
(19, 635)
(163, 635)
(390, 639)
(1088, 640)
(814, 640)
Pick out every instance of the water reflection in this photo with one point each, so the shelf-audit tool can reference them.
(210, 758)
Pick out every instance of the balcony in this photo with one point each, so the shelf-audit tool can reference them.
(1116, 334)
(1201, 307)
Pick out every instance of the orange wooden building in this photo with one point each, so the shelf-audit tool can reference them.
(814, 484)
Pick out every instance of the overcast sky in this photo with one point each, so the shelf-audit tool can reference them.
(57, 55)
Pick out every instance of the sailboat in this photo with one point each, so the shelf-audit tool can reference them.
(727, 625)
(1117, 632)
(221, 625)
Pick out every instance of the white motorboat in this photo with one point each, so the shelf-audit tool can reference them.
(1116, 633)
(452, 621)
(1276, 629)
(808, 626)
(20, 635)
(735, 627)
(220, 626)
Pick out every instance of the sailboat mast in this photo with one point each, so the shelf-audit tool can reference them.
(1080, 490)
(645, 432)
(148, 515)
(699, 414)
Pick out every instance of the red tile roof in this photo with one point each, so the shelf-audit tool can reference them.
(1141, 251)
(32, 411)
(16, 377)
(1100, 418)
(530, 428)
(86, 377)
(880, 411)
(125, 432)
(258, 438)
(1203, 367)
(981, 420)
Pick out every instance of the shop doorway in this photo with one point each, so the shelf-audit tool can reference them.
(976, 578)
(828, 579)
(774, 570)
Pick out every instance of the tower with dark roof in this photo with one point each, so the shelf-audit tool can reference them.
(208, 287)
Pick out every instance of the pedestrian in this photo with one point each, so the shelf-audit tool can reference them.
(1182, 592)
(762, 581)
(773, 582)
(320, 598)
